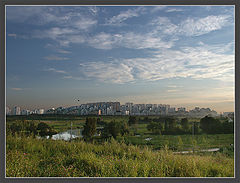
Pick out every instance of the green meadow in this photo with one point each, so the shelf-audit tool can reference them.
(130, 155)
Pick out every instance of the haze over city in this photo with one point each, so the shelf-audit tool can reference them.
(65, 56)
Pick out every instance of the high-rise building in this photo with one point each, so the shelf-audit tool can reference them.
(40, 111)
(16, 110)
(25, 112)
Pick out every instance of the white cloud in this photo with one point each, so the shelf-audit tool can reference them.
(169, 10)
(55, 70)
(84, 23)
(54, 33)
(112, 72)
(93, 9)
(67, 77)
(124, 15)
(54, 57)
(59, 16)
(63, 51)
(12, 35)
(164, 25)
(17, 89)
(128, 40)
(196, 27)
(157, 8)
(173, 91)
(143, 41)
(105, 41)
(191, 26)
(192, 62)
(173, 86)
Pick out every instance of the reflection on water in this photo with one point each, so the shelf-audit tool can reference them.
(67, 135)
(75, 133)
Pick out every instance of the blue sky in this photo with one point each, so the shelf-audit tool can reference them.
(177, 55)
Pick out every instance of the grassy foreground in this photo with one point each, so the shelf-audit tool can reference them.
(30, 157)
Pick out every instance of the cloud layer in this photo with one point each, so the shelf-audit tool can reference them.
(197, 63)
(157, 37)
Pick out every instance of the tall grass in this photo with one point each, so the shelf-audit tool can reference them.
(30, 157)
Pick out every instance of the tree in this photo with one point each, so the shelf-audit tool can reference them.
(15, 128)
(115, 128)
(196, 127)
(124, 128)
(227, 127)
(132, 120)
(184, 124)
(45, 130)
(32, 128)
(171, 124)
(155, 127)
(89, 128)
(210, 125)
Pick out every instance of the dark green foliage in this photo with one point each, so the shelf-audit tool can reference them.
(155, 127)
(211, 125)
(15, 128)
(169, 125)
(124, 128)
(32, 128)
(185, 124)
(196, 127)
(89, 128)
(45, 130)
(115, 128)
(227, 127)
(132, 120)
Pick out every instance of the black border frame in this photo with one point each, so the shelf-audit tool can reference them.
(118, 2)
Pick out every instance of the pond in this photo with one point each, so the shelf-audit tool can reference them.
(67, 135)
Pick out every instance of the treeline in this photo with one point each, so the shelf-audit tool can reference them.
(208, 125)
(23, 127)
(111, 129)
(160, 126)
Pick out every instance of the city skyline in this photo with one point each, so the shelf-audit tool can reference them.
(175, 107)
(116, 108)
(64, 56)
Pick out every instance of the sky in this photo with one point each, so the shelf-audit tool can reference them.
(70, 55)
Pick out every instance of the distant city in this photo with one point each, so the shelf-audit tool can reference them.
(115, 108)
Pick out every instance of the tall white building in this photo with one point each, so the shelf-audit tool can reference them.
(40, 111)
(16, 110)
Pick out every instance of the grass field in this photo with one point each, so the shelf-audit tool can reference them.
(127, 156)
(29, 157)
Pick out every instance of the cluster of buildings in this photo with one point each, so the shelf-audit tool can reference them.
(16, 110)
(115, 108)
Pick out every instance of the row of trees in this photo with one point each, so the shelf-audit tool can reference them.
(212, 125)
(208, 125)
(111, 129)
(163, 125)
(28, 128)
(169, 125)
